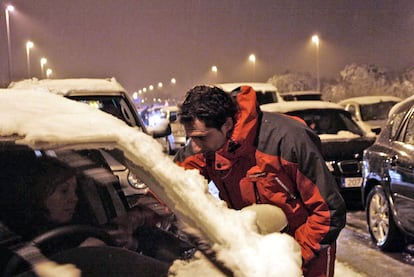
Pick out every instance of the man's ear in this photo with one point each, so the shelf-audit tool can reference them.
(227, 126)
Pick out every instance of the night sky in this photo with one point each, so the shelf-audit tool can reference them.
(142, 43)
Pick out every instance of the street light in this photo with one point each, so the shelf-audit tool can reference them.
(48, 73)
(8, 9)
(29, 45)
(252, 59)
(173, 81)
(43, 61)
(214, 69)
(315, 40)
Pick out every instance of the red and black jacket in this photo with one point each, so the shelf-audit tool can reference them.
(273, 158)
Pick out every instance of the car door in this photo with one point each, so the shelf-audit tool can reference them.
(401, 172)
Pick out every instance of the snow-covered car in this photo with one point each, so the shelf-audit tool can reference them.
(36, 125)
(161, 115)
(388, 187)
(371, 112)
(108, 95)
(343, 141)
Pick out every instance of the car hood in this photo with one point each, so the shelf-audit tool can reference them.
(335, 148)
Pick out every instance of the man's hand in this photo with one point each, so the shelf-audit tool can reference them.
(123, 227)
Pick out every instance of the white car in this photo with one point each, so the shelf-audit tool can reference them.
(371, 112)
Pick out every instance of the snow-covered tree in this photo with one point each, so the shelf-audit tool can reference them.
(293, 82)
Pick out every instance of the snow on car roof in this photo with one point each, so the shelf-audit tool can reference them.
(299, 105)
(301, 92)
(44, 120)
(64, 86)
(369, 99)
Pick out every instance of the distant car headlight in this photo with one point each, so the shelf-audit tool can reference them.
(135, 182)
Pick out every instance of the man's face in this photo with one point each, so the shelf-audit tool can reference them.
(204, 139)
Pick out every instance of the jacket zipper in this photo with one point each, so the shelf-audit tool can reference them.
(285, 188)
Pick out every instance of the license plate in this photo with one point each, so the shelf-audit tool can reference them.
(352, 182)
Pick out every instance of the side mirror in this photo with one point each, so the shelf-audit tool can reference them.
(173, 118)
(161, 130)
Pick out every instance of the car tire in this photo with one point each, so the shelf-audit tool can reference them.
(382, 228)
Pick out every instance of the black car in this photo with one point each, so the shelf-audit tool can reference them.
(388, 186)
(342, 141)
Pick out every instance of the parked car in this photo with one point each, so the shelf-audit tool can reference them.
(108, 95)
(388, 187)
(342, 141)
(36, 125)
(265, 92)
(371, 112)
(301, 95)
(161, 115)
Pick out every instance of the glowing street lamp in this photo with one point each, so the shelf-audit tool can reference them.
(252, 59)
(315, 40)
(48, 73)
(8, 9)
(214, 69)
(173, 81)
(29, 45)
(43, 61)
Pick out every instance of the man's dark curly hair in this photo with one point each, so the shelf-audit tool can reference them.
(208, 104)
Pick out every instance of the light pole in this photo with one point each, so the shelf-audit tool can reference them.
(252, 59)
(315, 40)
(29, 45)
(43, 61)
(8, 9)
(48, 73)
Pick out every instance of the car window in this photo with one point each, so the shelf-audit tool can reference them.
(114, 105)
(265, 97)
(328, 121)
(34, 175)
(409, 132)
(376, 111)
(395, 124)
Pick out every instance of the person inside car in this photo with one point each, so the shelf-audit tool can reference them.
(44, 196)
(255, 157)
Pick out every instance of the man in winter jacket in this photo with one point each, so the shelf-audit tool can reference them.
(258, 157)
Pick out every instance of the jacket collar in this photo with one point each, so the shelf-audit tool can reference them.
(243, 137)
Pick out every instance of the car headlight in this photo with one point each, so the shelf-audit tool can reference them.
(135, 182)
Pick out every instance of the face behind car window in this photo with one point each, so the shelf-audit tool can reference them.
(39, 192)
(61, 203)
